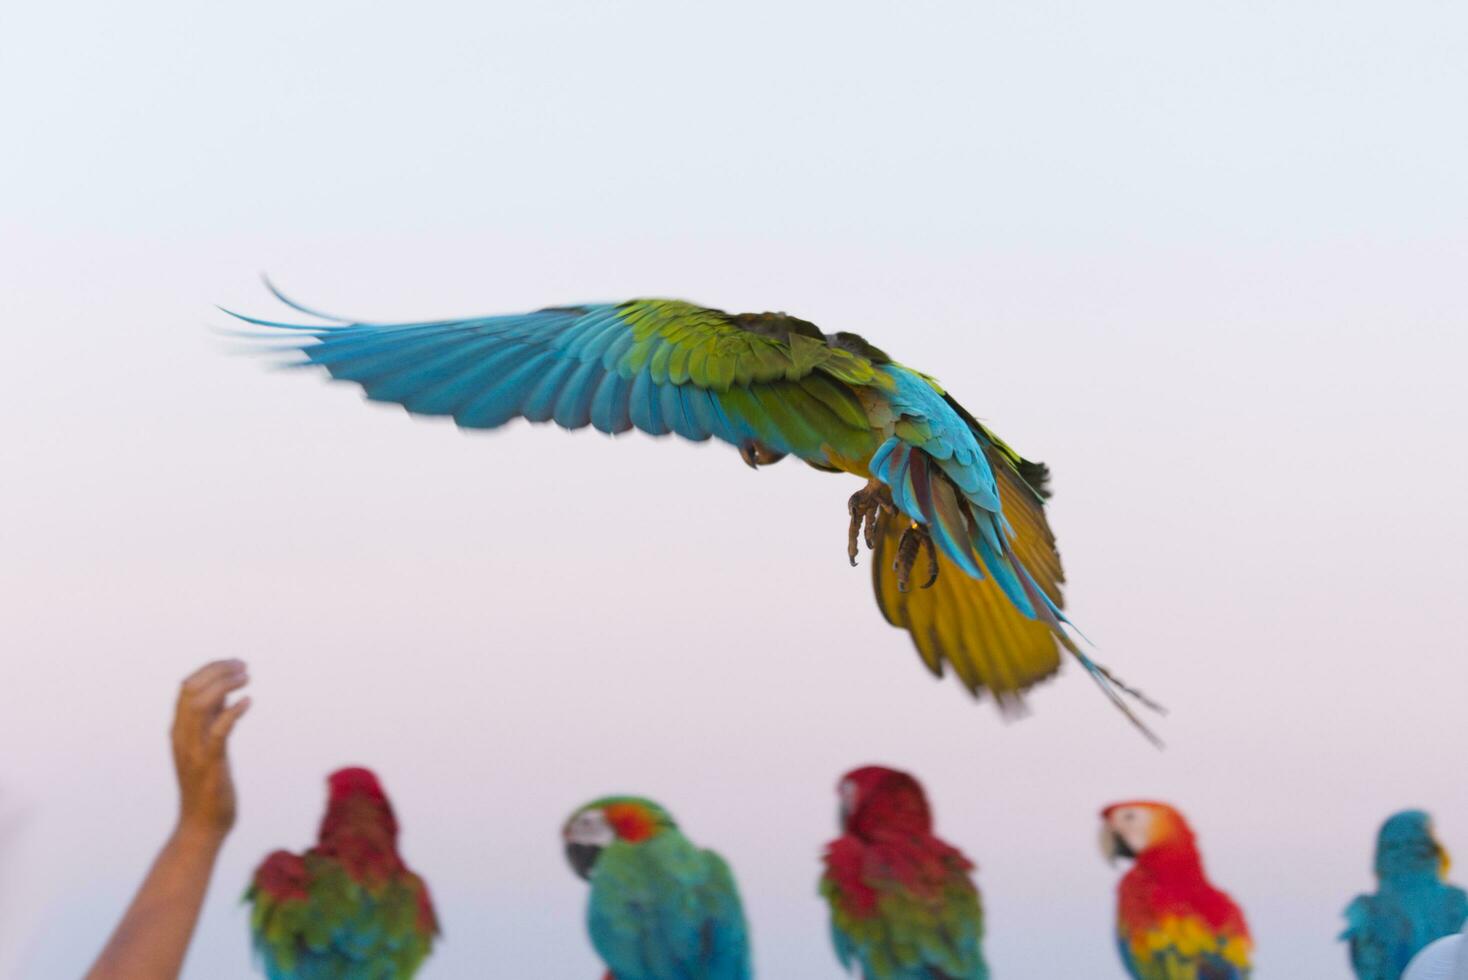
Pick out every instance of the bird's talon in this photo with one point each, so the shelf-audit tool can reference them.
(914, 539)
(932, 551)
(865, 508)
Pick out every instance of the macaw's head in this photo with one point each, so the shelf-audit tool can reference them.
(354, 781)
(1406, 845)
(356, 806)
(1130, 830)
(611, 819)
(875, 799)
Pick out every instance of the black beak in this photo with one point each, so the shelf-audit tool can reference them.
(1122, 849)
(583, 858)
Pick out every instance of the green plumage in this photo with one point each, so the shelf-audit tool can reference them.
(342, 930)
(771, 385)
(660, 907)
(910, 935)
(681, 342)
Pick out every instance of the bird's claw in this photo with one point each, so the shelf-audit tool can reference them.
(915, 538)
(865, 507)
(757, 454)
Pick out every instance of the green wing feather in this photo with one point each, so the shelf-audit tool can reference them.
(328, 924)
(911, 935)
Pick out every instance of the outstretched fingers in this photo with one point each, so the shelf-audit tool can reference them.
(202, 694)
(224, 723)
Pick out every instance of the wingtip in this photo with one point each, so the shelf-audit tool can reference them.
(298, 307)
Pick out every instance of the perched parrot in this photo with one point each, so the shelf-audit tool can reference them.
(349, 908)
(1171, 923)
(660, 908)
(1412, 906)
(947, 505)
(903, 903)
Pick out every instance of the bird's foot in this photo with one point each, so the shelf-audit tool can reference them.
(864, 507)
(916, 538)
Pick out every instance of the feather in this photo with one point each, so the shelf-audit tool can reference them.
(609, 405)
(502, 402)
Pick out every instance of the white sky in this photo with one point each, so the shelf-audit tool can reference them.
(1205, 259)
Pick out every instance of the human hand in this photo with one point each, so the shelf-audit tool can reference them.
(201, 726)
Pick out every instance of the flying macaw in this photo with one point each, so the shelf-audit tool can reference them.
(349, 908)
(944, 498)
(661, 908)
(1412, 906)
(903, 902)
(1171, 923)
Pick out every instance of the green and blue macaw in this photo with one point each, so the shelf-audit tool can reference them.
(944, 496)
(1412, 905)
(661, 908)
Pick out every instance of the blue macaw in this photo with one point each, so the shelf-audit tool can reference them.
(1412, 906)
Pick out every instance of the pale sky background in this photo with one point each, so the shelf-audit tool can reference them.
(1207, 260)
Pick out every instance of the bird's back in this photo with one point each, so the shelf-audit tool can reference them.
(666, 910)
(1183, 929)
(904, 909)
(312, 921)
(1387, 929)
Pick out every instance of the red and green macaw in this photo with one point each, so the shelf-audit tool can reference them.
(349, 908)
(661, 908)
(946, 505)
(1171, 923)
(903, 902)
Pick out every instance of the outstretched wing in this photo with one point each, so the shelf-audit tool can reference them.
(751, 380)
(310, 919)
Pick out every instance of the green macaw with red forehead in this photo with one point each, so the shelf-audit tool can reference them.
(661, 908)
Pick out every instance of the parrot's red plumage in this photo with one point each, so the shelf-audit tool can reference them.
(902, 900)
(888, 822)
(1170, 917)
(350, 901)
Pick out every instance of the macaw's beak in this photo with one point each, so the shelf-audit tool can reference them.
(582, 858)
(1114, 847)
